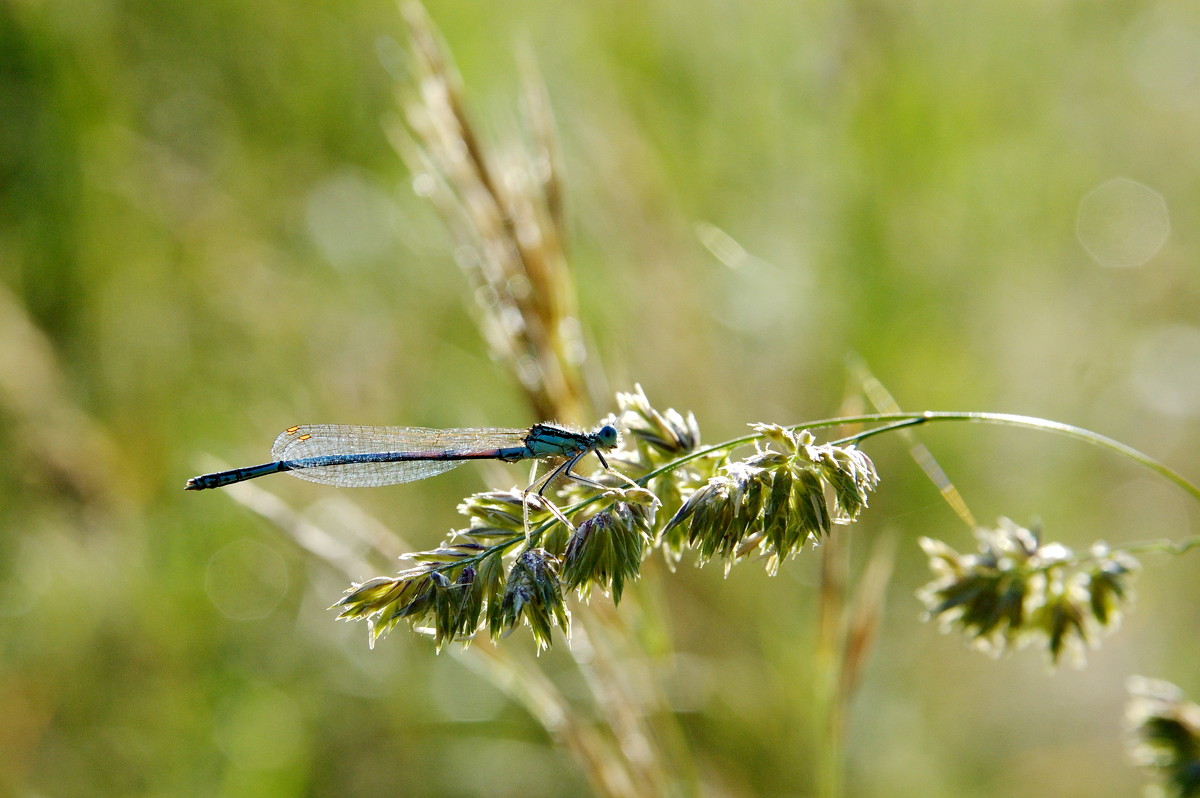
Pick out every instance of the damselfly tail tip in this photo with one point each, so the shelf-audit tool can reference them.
(195, 483)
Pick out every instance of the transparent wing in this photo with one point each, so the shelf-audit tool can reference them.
(439, 449)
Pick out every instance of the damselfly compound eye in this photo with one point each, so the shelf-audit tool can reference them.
(607, 436)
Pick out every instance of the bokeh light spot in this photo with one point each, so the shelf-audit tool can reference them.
(350, 220)
(1122, 223)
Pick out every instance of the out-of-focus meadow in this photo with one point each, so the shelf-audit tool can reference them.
(205, 236)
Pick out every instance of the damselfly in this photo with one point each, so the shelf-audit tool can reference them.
(354, 456)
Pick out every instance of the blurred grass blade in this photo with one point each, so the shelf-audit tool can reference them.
(884, 402)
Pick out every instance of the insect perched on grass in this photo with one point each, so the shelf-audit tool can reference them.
(359, 456)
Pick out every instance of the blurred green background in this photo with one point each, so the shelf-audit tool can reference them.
(206, 237)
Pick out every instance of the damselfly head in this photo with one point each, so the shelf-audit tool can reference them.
(606, 436)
